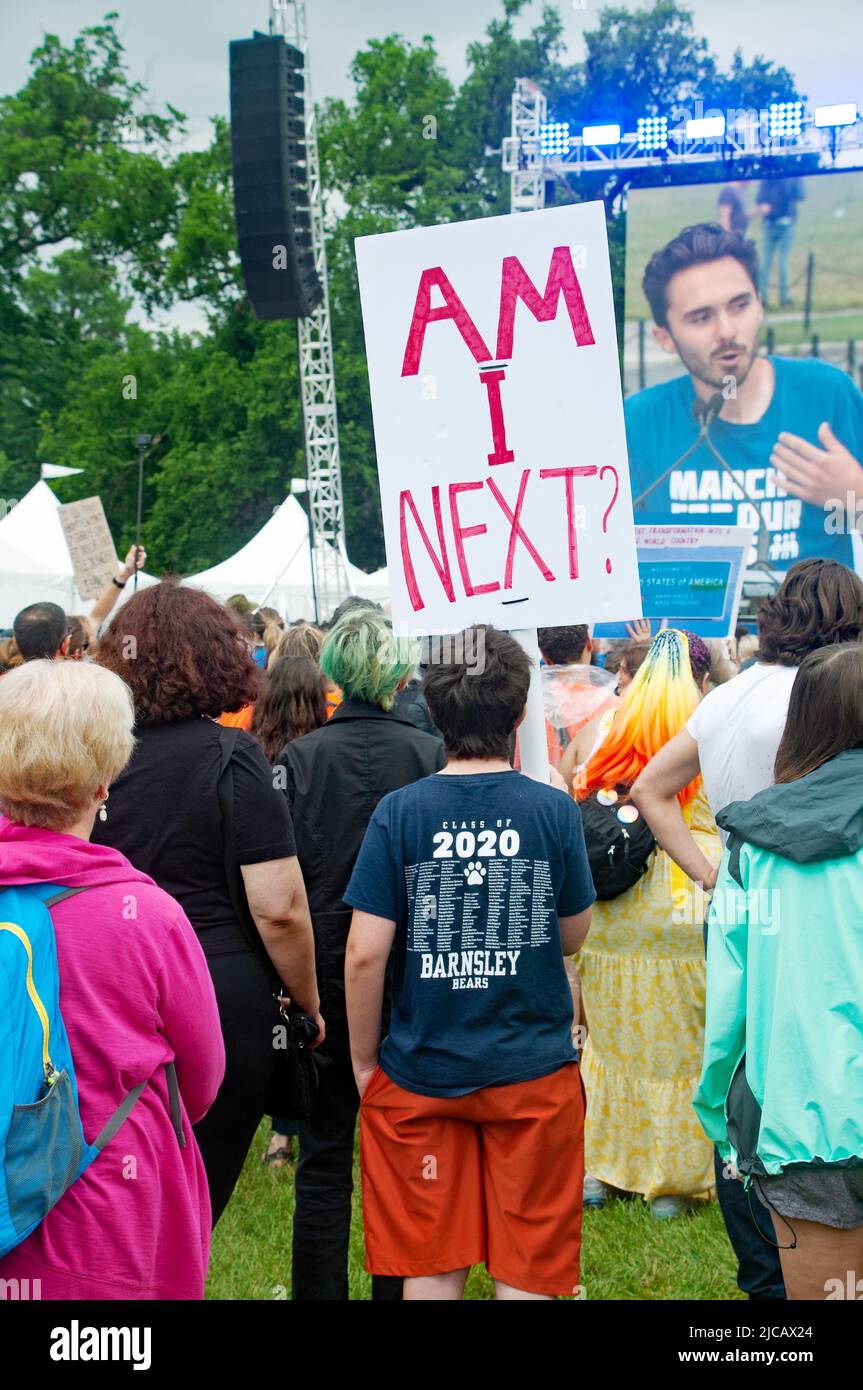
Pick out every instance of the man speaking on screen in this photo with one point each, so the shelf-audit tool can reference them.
(790, 430)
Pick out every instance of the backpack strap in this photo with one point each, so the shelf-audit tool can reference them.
(132, 1097)
(130, 1100)
(110, 1129)
(62, 896)
(49, 898)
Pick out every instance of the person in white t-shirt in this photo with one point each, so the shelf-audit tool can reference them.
(732, 739)
(733, 735)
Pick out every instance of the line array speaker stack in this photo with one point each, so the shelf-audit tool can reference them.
(271, 192)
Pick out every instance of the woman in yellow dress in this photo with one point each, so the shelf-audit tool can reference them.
(642, 966)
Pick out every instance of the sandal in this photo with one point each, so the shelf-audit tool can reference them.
(278, 1157)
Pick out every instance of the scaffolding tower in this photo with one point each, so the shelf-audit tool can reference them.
(317, 373)
(521, 149)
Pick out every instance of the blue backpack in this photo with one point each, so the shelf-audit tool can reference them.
(42, 1145)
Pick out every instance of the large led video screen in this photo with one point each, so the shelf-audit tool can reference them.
(748, 345)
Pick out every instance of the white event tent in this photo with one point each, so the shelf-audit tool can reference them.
(34, 558)
(274, 568)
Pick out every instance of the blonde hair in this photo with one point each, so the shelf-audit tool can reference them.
(303, 639)
(65, 729)
(655, 706)
(272, 633)
(747, 646)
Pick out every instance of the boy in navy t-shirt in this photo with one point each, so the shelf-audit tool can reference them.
(477, 880)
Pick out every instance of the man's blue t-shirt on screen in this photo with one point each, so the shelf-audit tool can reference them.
(475, 871)
(660, 427)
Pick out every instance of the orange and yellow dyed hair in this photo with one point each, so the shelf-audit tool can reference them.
(655, 706)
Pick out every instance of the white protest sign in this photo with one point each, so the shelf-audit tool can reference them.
(91, 547)
(495, 385)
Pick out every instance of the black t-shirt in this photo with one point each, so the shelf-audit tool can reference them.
(163, 814)
(782, 195)
(729, 197)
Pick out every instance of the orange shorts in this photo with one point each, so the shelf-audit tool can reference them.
(494, 1177)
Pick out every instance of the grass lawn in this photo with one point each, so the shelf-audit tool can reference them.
(828, 224)
(626, 1252)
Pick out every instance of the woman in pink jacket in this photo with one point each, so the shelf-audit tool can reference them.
(135, 994)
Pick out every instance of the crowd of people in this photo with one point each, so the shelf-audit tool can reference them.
(639, 979)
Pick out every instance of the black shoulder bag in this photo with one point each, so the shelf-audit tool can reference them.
(294, 1081)
(618, 849)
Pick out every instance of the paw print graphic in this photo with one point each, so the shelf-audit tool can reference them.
(475, 873)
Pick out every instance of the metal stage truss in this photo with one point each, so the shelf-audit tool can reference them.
(521, 157)
(744, 149)
(317, 374)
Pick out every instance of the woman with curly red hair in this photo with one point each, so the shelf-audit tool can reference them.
(185, 661)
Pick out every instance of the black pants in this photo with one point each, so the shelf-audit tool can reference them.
(750, 1230)
(287, 1128)
(246, 1014)
(324, 1184)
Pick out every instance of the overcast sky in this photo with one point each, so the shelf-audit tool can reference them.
(178, 48)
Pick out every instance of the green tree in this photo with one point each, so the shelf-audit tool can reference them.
(78, 161)
(393, 153)
(104, 215)
(753, 86)
(65, 316)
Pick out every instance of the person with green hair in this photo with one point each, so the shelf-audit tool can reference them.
(334, 778)
(366, 660)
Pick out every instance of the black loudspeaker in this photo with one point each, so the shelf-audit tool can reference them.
(271, 192)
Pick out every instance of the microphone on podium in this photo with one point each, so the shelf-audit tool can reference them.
(707, 411)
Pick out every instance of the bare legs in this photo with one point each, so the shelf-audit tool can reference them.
(823, 1258)
(449, 1288)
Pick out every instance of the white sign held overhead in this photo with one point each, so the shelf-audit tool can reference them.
(91, 547)
(498, 417)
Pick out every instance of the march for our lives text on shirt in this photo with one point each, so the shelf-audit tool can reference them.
(660, 427)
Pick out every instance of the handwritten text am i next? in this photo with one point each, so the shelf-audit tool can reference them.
(505, 489)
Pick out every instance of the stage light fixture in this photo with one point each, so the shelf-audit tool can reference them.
(652, 132)
(600, 135)
(553, 138)
(705, 128)
(845, 113)
(784, 120)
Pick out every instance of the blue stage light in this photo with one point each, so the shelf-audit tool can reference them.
(706, 128)
(784, 120)
(843, 114)
(553, 138)
(652, 132)
(601, 135)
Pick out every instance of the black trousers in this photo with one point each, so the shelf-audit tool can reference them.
(750, 1230)
(246, 1014)
(324, 1184)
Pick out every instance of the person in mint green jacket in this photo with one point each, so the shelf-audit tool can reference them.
(781, 1089)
